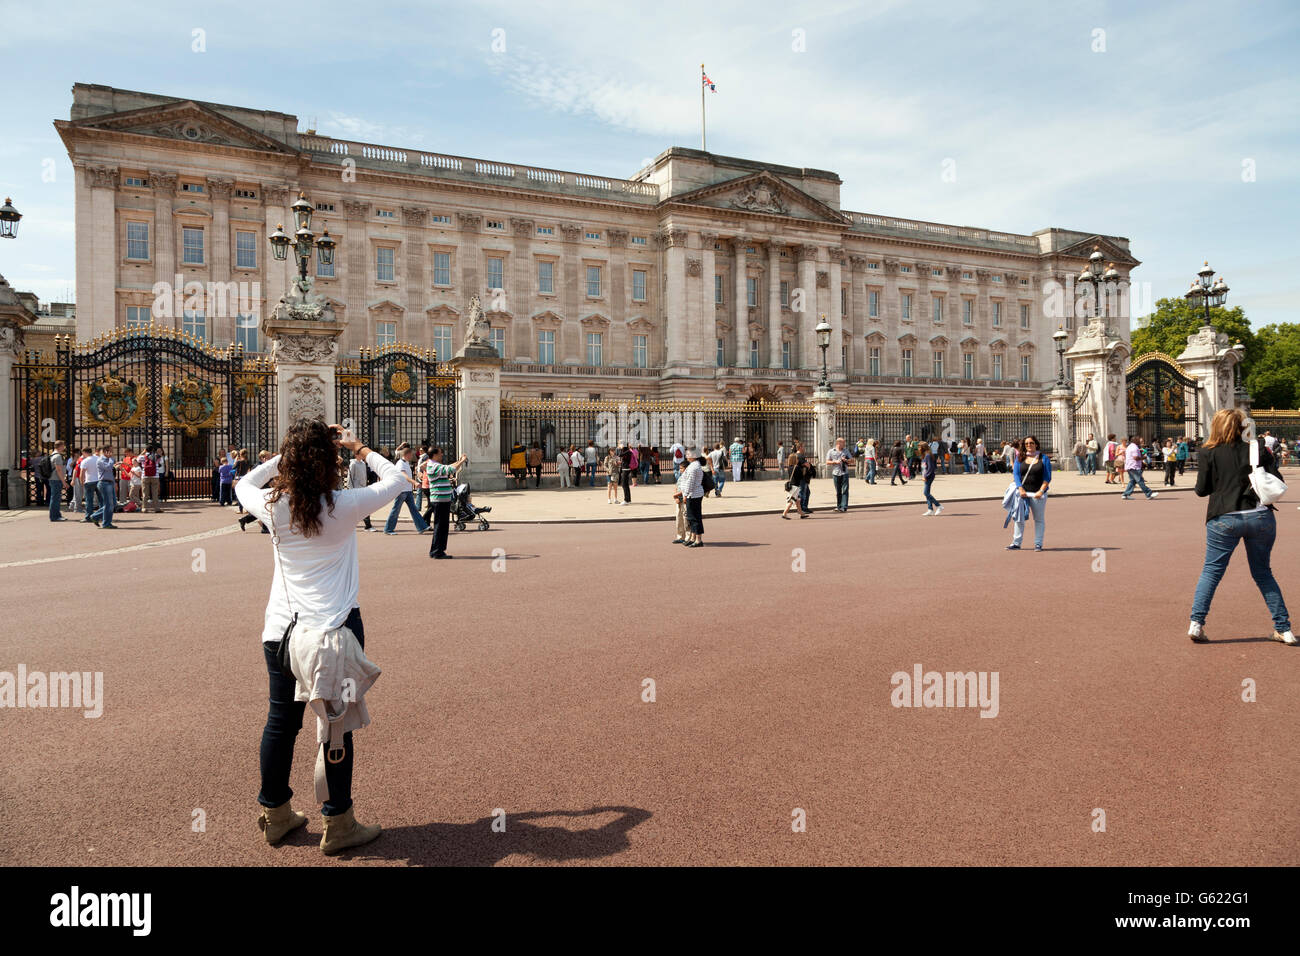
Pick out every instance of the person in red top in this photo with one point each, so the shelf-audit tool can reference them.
(124, 475)
(149, 481)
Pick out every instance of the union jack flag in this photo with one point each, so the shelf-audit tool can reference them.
(704, 78)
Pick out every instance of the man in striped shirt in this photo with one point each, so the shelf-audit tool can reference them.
(440, 495)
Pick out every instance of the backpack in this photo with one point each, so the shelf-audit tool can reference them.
(148, 467)
(708, 482)
(44, 468)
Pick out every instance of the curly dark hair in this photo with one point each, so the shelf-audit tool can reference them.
(308, 472)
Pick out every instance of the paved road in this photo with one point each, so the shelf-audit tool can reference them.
(521, 690)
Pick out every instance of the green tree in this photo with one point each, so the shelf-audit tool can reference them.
(1166, 329)
(1274, 377)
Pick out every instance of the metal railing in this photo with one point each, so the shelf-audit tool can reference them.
(939, 230)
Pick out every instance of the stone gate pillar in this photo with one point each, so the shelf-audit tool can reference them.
(304, 337)
(1062, 425)
(1099, 357)
(1212, 361)
(478, 405)
(14, 319)
(824, 414)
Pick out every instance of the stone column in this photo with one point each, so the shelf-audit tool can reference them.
(824, 405)
(774, 313)
(14, 318)
(478, 416)
(221, 327)
(163, 245)
(703, 331)
(806, 321)
(618, 295)
(101, 309)
(1099, 358)
(1211, 360)
(519, 287)
(675, 332)
(856, 321)
(1062, 401)
(418, 279)
(740, 307)
(835, 314)
(572, 295)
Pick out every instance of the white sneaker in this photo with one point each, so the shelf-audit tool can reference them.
(1155, 494)
(938, 510)
(1286, 637)
(927, 513)
(1197, 633)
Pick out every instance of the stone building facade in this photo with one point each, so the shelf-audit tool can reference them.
(701, 276)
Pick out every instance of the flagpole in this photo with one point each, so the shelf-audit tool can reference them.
(704, 141)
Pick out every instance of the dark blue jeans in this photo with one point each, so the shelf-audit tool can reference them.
(56, 492)
(1135, 478)
(107, 503)
(841, 491)
(930, 499)
(283, 721)
(1258, 530)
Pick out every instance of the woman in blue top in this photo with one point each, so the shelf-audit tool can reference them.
(1032, 473)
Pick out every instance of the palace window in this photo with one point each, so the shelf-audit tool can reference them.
(324, 207)
(873, 360)
(753, 353)
(248, 194)
(191, 188)
(785, 354)
(442, 342)
(192, 245)
(324, 271)
(195, 324)
(545, 347)
(546, 230)
(442, 219)
(751, 291)
(385, 333)
(135, 181)
(785, 294)
(386, 213)
(967, 364)
(967, 312)
(246, 332)
(1026, 368)
(937, 272)
(546, 277)
(384, 264)
(137, 316)
(997, 368)
(1024, 316)
(442, 268)
(592, 235)
(640, 351)
(844, 301)
(844, 356)
(873, 304)
(496, 273)
(937, 301)
(246, 250)
(906, 302)
(717, 289)
(137, 240)
(638, 285)
(873, 265)
(593, 282)
(497, 339)
(638, 240)
(967, 275)
(595, 348)
(938, 364)
(720, 356)
(907, 363)
(997, 314)
(497, 224)
(904, 268)
(997, 278)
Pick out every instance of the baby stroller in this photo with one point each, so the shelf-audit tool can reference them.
(463, 510)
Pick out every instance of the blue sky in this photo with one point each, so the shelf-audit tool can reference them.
(1147, 139)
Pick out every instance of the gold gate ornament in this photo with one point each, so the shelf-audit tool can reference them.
(190, 405)
(114, 404)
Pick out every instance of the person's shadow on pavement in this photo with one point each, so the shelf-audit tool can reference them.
(477, 844)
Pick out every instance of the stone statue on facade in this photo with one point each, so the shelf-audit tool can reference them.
(476, 324)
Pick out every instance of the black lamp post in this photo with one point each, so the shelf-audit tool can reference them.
(823, 343)
(1207, 291)
(9, 217)
(302, 240)
(1102, 278)
(1059, 337)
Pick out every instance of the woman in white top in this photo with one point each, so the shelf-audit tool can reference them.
(315, 583)
(870, 454)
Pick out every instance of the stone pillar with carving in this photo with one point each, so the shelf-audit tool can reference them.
(163, 246)
(221, 328)
(806, 318)
(97, 277)
(14, 319)
(1099, 357)
(740, 303)
(824, 403)
(675, 334)
(835, 314)
(302, 335)
(573, 297)
(775, 316)
(1211, 359)
(1062, 402)
(478, 405)
(415, 253)
(702, 330)
(519, 289)
(856, 321)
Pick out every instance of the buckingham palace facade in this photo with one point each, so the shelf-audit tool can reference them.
(701, 276)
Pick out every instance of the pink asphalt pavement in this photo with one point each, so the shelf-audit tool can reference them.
(521, 690)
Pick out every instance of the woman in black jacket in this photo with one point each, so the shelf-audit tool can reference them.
(796, 487)
(1235, 514)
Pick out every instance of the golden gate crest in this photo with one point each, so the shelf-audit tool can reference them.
(113, 404)
(190, 404)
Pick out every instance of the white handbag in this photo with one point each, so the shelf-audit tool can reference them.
(1268, 488)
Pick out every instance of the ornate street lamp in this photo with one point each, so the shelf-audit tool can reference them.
(302, 241)
(1059, 337)
(823, 342)
(1207, 291)
(1102, 276)
(9, 217)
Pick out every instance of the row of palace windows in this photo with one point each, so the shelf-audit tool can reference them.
(874, 366)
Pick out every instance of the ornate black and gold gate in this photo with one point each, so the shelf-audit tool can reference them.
(1163, 401)
(151, 386)
(398, 393)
